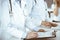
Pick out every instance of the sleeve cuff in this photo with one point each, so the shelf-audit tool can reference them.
(17, 33)
(36, 28)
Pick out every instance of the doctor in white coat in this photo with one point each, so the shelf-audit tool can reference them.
(13, 24)
(37, 15)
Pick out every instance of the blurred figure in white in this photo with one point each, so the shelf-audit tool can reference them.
(13, 21)
(55, 17)
(37, 15)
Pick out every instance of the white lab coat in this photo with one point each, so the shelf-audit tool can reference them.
(17, 30)
(36, 15)
(56, 18)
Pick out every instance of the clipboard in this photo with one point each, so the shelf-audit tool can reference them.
(41, 38)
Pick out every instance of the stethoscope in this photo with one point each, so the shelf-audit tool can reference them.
(10, 13)
(11, 24)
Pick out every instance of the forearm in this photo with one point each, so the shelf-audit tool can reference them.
(16, 33)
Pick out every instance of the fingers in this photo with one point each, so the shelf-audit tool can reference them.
(53, 24)
(41, 30)
(32, 35)
(48, 24)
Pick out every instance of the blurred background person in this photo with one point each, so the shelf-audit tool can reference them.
(13, 21)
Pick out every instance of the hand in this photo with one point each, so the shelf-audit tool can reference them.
(41, 30)
(47, 24)
(53, 24)
(32, 35)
